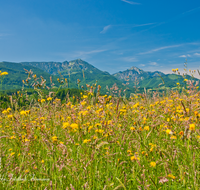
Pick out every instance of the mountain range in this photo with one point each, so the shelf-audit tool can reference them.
(87, 74)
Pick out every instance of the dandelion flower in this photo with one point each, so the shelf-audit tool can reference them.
(171, 176)
(181, 133)
(146, 128)
(153, 164)
(26, 171)
(43, 100)
(128, 151)
(173, 137)
(192, 127)
(168, 131)
(12, 153)
(132, 128)
(54, 139)
(135, 158)
(49, 99)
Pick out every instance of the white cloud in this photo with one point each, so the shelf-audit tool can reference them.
(152, 63)
(147, 24)
(130, 59)
(142, 65)
(161, 48)
(131, 2)
(198, 54)
(188, 55)
(182, 56)
(105, 29)
(81, 53)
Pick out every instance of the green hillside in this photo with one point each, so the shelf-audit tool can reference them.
(16, 74)
(155, 79)
(78, 73)
(78, 69)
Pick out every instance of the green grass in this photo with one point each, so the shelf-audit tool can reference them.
(141, 143)
(75, 139)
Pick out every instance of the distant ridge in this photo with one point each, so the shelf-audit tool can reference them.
(135, 73)
(88, 74)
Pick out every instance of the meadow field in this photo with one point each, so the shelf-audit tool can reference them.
(103, 142)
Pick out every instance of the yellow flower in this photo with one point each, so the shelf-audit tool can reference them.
(4, 73)
(86, 141)
(181, 133)
(23, 113)
(85, 96)
(10, 116)
(83, 103)
(12, 153)
(26, 171)
(8, 109)
(4, 112)
(132, 128)
(133, 158)
(65, 125)
(43, 100)
(153, 164)
(42, 161)
(192, 127)
(171, 176)
(13, 137)
(99, 131)
(54, 139)
(146, 128)
(173, 137)
(74, 126)
(168, 131)
(49, 99)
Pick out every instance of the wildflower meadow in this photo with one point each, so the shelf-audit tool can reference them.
(147, 141)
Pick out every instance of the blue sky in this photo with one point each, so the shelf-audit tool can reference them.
(112, 35)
